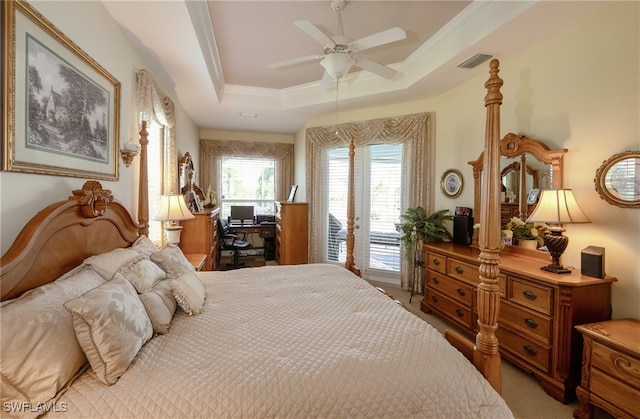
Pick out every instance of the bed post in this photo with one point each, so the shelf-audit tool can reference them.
(350, 264)
(486, 356)
(143, 190)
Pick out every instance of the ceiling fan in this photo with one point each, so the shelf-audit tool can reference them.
(340, 53)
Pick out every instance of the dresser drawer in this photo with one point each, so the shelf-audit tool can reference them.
(530, 295)
(450, 287)
(620, 394)
(535, 354)
(436, 262)
(527, 321)
(463, 270)
(616, 363)
(454, 310)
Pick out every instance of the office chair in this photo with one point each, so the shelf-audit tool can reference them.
(229, 241)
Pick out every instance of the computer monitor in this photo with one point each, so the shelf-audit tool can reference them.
(242, 214)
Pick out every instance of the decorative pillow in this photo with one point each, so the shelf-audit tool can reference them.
(40, 352)
(111, 262)
(189, 293)
(160, 305)
(144, 246)
(111, 325)
(143, 275)
(172, 261)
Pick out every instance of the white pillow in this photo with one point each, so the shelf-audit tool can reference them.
(144, 246)
(111, 325)
(107, 264)
(160, 305)
(40, 352)
(189, 293)
(143, 275)
(172, 261)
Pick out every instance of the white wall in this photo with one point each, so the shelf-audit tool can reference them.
(579, 90)
(90, 26)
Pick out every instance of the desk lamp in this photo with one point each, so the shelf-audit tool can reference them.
(173, 209)
(556, 207)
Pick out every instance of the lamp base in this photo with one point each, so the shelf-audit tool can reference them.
(173, 233)
(556, 269)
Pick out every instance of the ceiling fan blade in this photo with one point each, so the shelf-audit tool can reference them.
(315, 32)
(376, 68)
(297, 60)
(327, 81)
(377, 39)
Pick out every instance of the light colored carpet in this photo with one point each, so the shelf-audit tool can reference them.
(522, 392)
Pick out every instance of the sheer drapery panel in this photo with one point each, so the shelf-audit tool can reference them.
(413, 131)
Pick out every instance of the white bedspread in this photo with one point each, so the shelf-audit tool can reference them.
(296, 342)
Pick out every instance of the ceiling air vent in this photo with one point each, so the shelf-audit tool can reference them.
(475, 61)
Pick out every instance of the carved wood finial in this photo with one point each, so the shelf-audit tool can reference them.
(92, 198)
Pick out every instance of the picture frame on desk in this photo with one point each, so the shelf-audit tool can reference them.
(292, 193)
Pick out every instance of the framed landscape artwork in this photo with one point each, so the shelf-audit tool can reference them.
(60, 107)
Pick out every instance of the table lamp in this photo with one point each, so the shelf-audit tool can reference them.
(173, 209)
(556, 207)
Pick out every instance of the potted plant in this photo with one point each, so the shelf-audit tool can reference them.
(417, 226)
(523, 231)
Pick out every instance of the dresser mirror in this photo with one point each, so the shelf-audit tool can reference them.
(617, 180)
(193, 194)
(525, 164)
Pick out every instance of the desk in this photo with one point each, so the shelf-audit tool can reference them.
(267, 233)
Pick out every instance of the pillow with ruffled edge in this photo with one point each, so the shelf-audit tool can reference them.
(40, 352)
(160, 305)
(189, 293)
(143, 275)
(111, 326)
(107, 264)
(172, 261)
(144, 246)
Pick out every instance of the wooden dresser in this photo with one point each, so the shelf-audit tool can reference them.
(510, 210)
(200, 235)
(292, 233)
(538, 309)
(610, 368)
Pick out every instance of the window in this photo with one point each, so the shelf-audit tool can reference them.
(248, 181)
(155, 154)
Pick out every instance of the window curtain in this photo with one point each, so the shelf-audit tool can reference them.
(212, 152)
(413, 131)
(153, 103)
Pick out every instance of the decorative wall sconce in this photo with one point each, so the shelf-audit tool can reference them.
(130, 150)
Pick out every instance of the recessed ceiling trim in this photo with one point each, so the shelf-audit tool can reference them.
(199, 15)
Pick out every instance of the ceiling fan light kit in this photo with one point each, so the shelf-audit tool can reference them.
(340, 53)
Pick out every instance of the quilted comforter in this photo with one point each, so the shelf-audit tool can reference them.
(292, 342)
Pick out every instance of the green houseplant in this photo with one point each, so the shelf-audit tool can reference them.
(417, 226)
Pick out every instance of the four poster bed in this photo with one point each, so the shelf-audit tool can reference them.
(90, 326)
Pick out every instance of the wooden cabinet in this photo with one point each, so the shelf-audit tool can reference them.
(610, 368)
(292, 233)
(538, 309)
(200, 236)
(510, 210)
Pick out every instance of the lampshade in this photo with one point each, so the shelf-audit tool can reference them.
(557, 206)
(173, 208)
(337, 65)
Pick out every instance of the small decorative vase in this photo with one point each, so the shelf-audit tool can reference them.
(528, 244)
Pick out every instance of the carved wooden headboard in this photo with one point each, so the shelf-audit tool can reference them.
(62, 235)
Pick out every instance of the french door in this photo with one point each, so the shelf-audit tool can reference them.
(378, 189)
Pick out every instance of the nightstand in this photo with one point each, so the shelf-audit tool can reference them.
(610, 368)
(196, 259)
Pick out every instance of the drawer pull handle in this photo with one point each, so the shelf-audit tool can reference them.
(529, 295)
(531, 323)
(460, 313)
(435, 280)
(459, 270)
(461, 292)
(434, 298)
(436, 262)
(529, 350)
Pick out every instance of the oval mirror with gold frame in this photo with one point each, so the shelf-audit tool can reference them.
(617, 180)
